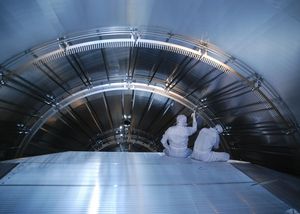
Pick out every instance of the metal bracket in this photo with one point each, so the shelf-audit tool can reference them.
(135, 36)
(203, 100)
(22, 129)
(51, 100)
(257, 83)
(2, 79)
(61, 43)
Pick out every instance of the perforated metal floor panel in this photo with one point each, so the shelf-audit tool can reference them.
(98, 182)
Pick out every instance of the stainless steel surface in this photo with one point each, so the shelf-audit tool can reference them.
(282, 185)
(256, 32)
(235, 62)
(98, 182)
(5, 168)
(102, 89)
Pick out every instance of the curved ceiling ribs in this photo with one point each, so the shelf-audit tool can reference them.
(109, 74)
(59, 106)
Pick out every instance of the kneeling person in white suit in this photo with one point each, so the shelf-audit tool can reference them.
(175, 139)
(208, 139)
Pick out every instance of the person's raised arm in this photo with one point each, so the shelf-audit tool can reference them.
(218, 129)
(193, 129)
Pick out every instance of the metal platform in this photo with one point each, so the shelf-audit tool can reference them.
(104, 182)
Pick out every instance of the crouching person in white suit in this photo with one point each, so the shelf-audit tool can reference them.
(175, 139)
(207, 140)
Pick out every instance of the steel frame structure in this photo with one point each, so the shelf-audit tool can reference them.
(151, 38)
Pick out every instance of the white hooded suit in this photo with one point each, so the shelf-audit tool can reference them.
(175, 139)
(207, 140)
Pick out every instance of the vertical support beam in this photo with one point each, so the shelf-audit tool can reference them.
(79, 65)
(227, 89)
(76, 70)
(123, 103)
(146, 109)
(51, 78)
(200, 87)
(78, 121)
(47, 71)
(36, 97)
(161, 56)
(93, 114)
(182, 75)
(18, 112)
(17, 105)
(218, 100)
(177, 71)
(132, 61)
(54, 132)
(159, 114)
(107, 110)
(132, 115)
(105, 63)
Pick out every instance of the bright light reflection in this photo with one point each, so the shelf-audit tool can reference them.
(94, 201)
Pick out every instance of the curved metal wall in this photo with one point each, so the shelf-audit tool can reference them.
(259, 126)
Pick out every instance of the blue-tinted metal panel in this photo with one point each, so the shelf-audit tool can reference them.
(130, 183)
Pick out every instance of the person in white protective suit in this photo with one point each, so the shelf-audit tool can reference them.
(207, 140)
(175, 139)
